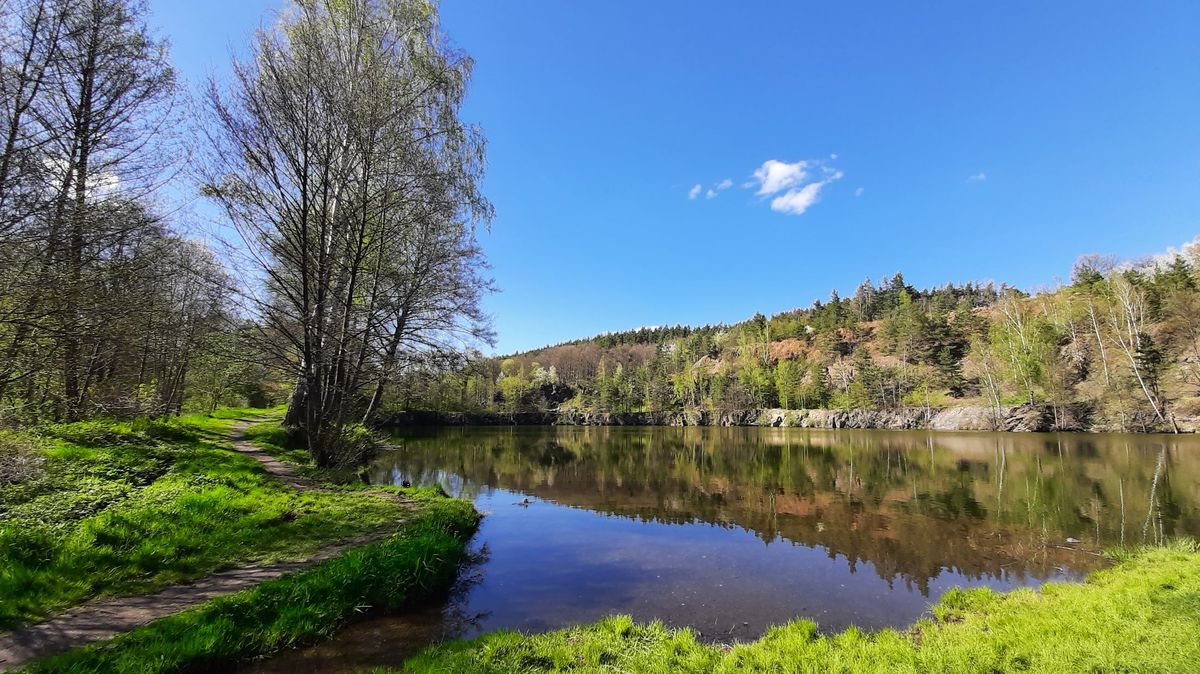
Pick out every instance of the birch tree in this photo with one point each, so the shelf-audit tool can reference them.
(1127, 319)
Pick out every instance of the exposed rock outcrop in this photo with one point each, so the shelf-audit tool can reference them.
(1019, 418)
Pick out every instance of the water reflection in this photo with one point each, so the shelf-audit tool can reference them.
(731, 530)
(912, 504)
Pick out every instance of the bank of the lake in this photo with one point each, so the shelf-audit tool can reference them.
(1027, 418)
(395, 574)
(728, 532)
(1141, 616)
(104, 510)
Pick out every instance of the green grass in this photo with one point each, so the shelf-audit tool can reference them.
(1141, 616)
(130, 507)
(247, 412)
(420, 560)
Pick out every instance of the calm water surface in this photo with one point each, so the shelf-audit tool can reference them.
(731, 530)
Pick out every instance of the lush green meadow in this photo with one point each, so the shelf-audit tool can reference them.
(421, 560)
(127, 507)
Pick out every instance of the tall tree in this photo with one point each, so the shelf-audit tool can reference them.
(114, 87)
(1127, 319)
(340, 157)
(89, 136)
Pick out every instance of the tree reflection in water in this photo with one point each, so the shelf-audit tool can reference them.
(911, 503)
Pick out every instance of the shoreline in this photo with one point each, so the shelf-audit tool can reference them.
(1134, 616)
(409, 550)
(1011, 419)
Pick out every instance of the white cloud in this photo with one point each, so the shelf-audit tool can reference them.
(858, 192)
(775, 176)
(833, 156)
(793, 186)
(977, 178)
(711, 192)
(797, 200)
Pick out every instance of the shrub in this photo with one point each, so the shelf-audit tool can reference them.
(21, 459)
(356, 445)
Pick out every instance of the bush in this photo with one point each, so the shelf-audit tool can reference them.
(356, 445)
(21, 459)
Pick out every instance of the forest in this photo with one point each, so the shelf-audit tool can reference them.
(305, 226)
(1118, 344)
(177, 263)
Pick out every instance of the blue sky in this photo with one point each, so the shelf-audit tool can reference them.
(952, 141)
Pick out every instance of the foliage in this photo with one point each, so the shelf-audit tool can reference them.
(383, 279)
(107, 306)
(1120, 341)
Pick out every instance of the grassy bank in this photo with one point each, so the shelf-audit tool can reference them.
(111, 508)
(1143, 615)
(422, 558)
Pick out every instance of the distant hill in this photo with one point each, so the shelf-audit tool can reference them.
(1122, 341)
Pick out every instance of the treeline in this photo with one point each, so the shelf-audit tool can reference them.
(105, 308)
(1120, 345)
(348, 186)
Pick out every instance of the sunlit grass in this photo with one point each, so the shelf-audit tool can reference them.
(246, 412)
(287, 446)
(127, 507)
(392, 574)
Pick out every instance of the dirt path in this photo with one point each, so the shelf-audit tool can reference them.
(269, 463)
(107, 618)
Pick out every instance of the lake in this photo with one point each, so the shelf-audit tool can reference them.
(731, 530)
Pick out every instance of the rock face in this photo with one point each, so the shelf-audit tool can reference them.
(1021, 418)
(966, 419)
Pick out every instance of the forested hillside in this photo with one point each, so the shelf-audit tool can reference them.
(1119, 344)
